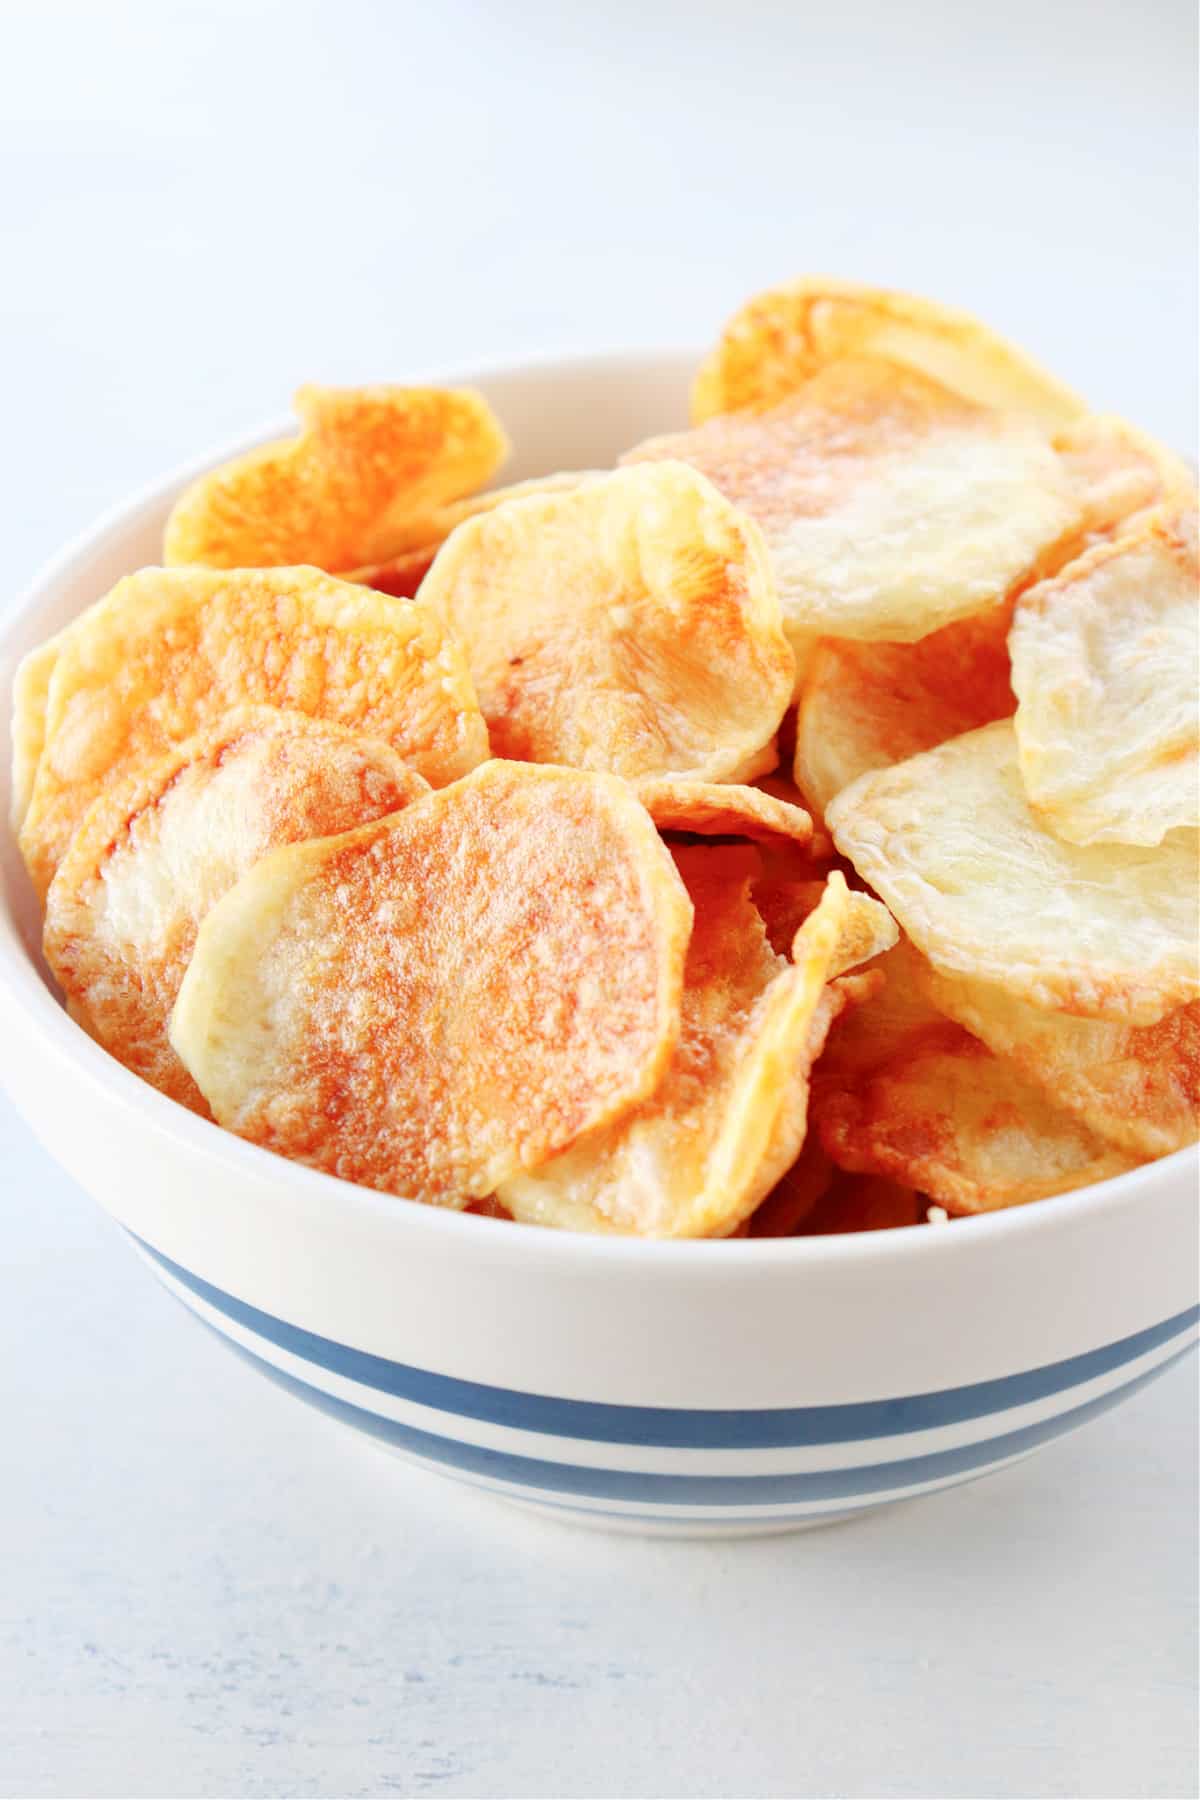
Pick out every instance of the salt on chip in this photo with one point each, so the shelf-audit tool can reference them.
(729, 1115)
(368, 464)
(950, 844)
(866, 706)
(170, 650)
(1105, 661)
(631, 625)
(1135, 1086)
(728, 809)
(963, 1126)
(428, 1004)
(158, 849)
(782, 338)
(890, 506)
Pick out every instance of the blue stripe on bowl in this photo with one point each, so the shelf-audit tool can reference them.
(533, 1475)
(679, 1428)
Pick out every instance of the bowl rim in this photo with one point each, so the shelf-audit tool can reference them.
(24, 994)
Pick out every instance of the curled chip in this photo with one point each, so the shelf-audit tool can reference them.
(949, 842)
(630, 625)
(868, 929)
(866, 706)
(158, 849)
(1136, 1086)
(431, 1003)
(170, 650)
(962, 1125)
(729, 1115)
(716, 808)
(890, 506)
(863, 1203)
(1105, 658)
(369, 463)
(404, 571)
(782, 338)
(1120, 472)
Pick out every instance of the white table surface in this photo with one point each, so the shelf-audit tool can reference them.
(205, 1589)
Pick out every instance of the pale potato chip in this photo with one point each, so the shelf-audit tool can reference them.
(1136, 1086)
(159, 848)
(890, 506)
(31, 686)
(863, 1203)
(431, 1003)
(404, 572)
(949, 843)
(782, 338)
(631, 625)
(866, 706)
(966, 1127)
(1106, 659)
(169, 651)
(1120, 472)
(714, 808)
(728, 1116)
(369, 464)
(792, 1200)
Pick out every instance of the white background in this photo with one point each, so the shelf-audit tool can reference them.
(204, 1589)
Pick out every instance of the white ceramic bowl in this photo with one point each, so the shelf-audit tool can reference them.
(693, 1387)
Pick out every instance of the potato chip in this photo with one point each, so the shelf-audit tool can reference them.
(369, 464)
(728, 1116)
(1105, 663)
(782, 338)
(866, 706)
(31, 685)
(1136, 1086)
(863, 1203)
(962, 1125)
(1120, 472)
(156, 850)
(428, 1004)
(720, 809)
(890, 506)
(169, 651)
(794, 1196)
(630, 625)
(868, 929)
(404, 572)
(948, 841)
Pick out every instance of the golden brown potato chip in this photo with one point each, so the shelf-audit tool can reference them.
(156, 850)
(716, 808)
(866, 706)
(890, 506)
(950, 844)
(431, 1003)
(368, 465)
(630, 625)
(863, 1203)
(404, 572)
(782, 338)
(1136, 1086)
(170, 650)
(728, 1116)
(795, 1195)
(962, 1125)
(868, 929)
(1106, 660)
(1120, 472)
(31, 686)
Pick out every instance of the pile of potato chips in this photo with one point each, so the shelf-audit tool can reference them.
(444, 840)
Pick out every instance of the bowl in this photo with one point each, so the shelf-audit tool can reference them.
(687, 1388)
